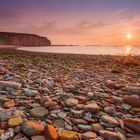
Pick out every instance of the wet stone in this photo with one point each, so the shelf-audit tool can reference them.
(88, 135)
(84, 127)
(109, 120)
(39, 112)
(5, 114)
(31, 128)
(77, 113)
(68, 135)
(30, 93)
(110, 110)
(9, 104)
(108, 135)
(59, 123)
(10, 84)
(38, 138)
(97, 127)
(71, 102)
(15, 121)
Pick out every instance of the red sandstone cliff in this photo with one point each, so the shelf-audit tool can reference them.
(21, 39)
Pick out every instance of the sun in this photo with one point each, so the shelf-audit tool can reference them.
(129, 36)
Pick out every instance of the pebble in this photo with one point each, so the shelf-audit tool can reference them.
(126, 106)
(30, 93)
(71, 102)
(88, 135)
(50, 132)
(39, 112)
(31, 128)
(38, 138)
(133, 124)
(136, 138)
(62, 115)
(85, 127)
(110, 110)
(15, 121)
(77, 113)
(133, 101)
(59, 123)
(5, 114)
(97, 127)
(133, 89)
(78, 121)
(93, 107)
(10, 84)
(108, 135)
(9, 104)
(7, 135)
(109, 120)
(68, 135)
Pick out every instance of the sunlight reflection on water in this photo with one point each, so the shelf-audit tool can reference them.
(95, 50)
(128, 50)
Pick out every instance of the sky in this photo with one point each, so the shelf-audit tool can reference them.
(83, 22)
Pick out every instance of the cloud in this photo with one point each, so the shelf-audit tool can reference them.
(125, 14)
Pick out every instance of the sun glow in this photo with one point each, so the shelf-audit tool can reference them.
(129, 36)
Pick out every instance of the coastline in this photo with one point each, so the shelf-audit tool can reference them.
(79, 93)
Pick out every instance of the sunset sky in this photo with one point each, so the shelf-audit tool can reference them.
(74, 21)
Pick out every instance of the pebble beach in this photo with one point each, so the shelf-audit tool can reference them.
(46, 96)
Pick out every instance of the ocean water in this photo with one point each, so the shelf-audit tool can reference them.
(95, 50)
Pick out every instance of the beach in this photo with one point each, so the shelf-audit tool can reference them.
(84, 96)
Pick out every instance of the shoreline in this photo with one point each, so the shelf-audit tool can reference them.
(94, 96)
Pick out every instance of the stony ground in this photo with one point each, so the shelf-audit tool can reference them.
(68, 97)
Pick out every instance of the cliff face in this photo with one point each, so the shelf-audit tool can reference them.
(21, 39)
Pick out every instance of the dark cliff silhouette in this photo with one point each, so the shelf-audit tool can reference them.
(23, 39)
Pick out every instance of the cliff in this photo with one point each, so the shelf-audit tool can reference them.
(21, 39)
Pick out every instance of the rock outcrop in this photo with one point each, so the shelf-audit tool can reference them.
(21, 39)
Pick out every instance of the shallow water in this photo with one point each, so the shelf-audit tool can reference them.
(95, 50)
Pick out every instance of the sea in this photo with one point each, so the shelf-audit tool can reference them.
(81, 49)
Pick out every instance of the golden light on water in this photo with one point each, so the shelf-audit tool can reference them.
(128, 50)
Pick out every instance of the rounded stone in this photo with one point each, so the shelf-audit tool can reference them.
(68, 135)
(39, 112)
(93, 107)
(108, 135)
(88, 135)
(97, 127)
(31, 128)
(50, 132)
(134, 101)
(15, 121)
(109, 120)
(38, 138)
(9, 104)
(71, 102)
(133, 124)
